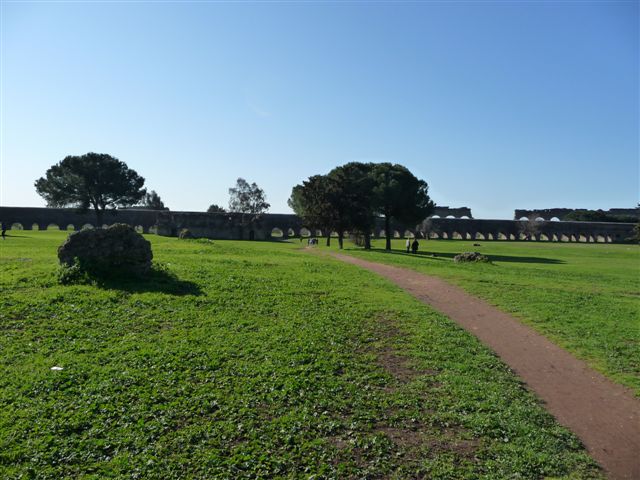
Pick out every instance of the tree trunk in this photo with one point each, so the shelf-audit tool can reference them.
(329, 238)
(99, 217)
(367, 241)
(340, 239)
(387, 231)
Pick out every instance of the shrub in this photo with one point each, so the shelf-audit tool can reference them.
(471, 257)
(185, 233)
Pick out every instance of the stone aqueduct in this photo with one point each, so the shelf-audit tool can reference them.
(559, 214)
(445, 223)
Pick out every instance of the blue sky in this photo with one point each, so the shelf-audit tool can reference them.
(497, 105)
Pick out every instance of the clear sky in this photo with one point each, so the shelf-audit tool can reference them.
(497, 105)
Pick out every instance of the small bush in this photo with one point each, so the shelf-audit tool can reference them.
(471, 257)
(73, 274)
(185, 234)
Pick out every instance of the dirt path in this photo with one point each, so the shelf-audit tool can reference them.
(604, 415)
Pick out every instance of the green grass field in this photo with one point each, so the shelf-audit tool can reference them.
(255, 360)
(585, 297)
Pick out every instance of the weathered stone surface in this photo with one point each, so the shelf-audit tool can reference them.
(470, 257)
(118, 248)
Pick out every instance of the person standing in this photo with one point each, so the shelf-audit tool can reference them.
(408, 244)
(414, 245)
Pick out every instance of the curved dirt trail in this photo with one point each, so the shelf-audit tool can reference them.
(603, 414)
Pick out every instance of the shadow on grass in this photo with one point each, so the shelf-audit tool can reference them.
(158, 280)
(493, 258)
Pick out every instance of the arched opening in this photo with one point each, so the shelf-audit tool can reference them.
(539, 219)
(318, 233)
(334, 234)
(86, 226)
(450, 216)
(16, 226)
(544, 237)
(564, 238)
(609, 239)
(502, 236)
(396, 234)
(600, 238)
(104, 225)
(479, 236)
(582, 238)
(554, 238)
(53, 226)
(435, 216)
(304, 232)
(512, 237)
(490, 236)
(444, 236)
(522, 236)
(408, 234)
(383, 234)
(71, 227)
(153, 229)
(35, 226)
(523, 219)
(139, 229)
(456, 236)
(468, 236)
(276, 233)
(554, 219)
(291, 232)
(464, 217)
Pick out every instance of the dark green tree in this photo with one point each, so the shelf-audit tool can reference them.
(398, 194)
(296, 201)
(249, 201)
(152, 201)
(312, 202)
(352, 199)
(93, 180)
(215, 209)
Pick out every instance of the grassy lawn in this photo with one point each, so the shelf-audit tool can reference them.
(585, 297)
(256, 359)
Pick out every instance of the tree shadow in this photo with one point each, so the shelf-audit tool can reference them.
(158, 280)
(449, 256)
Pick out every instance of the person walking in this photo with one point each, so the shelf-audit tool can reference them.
(408, 244)
(4, 233)
(415, 245)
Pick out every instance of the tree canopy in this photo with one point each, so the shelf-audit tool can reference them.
(152, 201)
(248, 199)
(397, 193)
(313, 202)
(93, 180)
(351, 196)
(213, 208)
